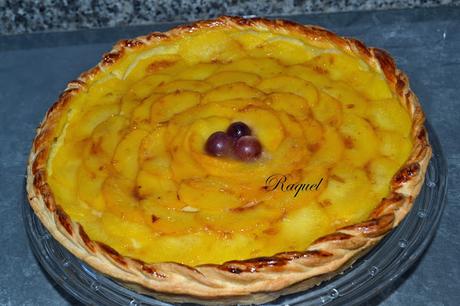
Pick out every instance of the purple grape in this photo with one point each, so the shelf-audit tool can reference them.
(248, 148)
(238, 129)
(219, 144)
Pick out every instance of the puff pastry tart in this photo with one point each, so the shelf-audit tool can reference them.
(119, 173)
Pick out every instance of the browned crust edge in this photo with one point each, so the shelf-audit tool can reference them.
(237, 280)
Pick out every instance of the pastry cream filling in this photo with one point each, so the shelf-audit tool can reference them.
(129, 162)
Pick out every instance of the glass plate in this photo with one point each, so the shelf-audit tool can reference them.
(365, 279)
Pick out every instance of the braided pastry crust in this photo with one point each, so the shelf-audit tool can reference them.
(255, 280)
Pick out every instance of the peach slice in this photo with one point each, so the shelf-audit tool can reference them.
(381, 171)
(142, 112)
(330, 151)
(287, 50)
(125, 159)
(300, 227)
(212, 45)
(152, 63)
(150, 184)
(198, 72)
(254, 219)
(290, 103)
(339, 66)
(291, 85)
(207, 194)
(352, 102)
(153, 145)
(146, 86)
(120, 198)
(82, 126)
(264, 67)
(99, 95)
(329, 110)
(89, 185)
(348, 197)
(183, 85)
(131, 234)
(106, 136)
(394, 146)
(170, 220)
(317, 77)
(265, 125)
(390, 115)
(361, 143)
(250, 39)
(228, 77)
(231, 91)
(167, 106)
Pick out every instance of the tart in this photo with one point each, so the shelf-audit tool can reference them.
(119, 174)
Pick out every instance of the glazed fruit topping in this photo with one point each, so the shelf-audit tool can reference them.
(236, 142)
(134, 166)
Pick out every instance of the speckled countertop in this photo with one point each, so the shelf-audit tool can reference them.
(63, 15)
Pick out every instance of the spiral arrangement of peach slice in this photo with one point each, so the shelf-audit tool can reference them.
(130, 163)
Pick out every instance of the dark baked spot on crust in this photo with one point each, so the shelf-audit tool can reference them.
(111, 57)
(276, 261)
(422, 134)
(40, 160)
(131, 43)
(43, 188)
(56, 104)
(306, 254)
(374, 227)
(333, 237)
(152, 271)
(410, 95)
(41, 138)
(234, 270)
(112, 253)
(148, 269)
(89, 74)
(76, 83)
(405, 174)
(39, 178)
(66, 94)
(85, 238)
(252, 265)
(386, 63)
(359, 45)
(64, 219)
(48, 197)
(156, 35)
(242, 21)
(391, 200)
(400, 85)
